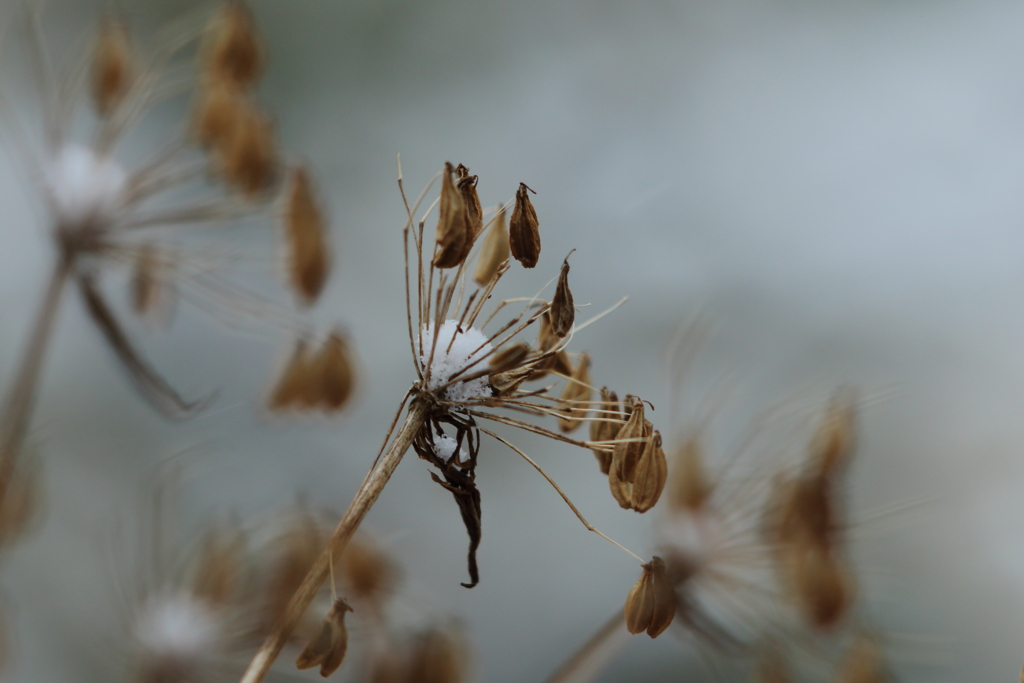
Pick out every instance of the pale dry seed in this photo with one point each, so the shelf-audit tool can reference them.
(523, 232)
(114, 65)
(562, 312)
(651, 474)
(474, 210)
(822, 585)
(494, 252)
(306, 231)
(651, 603)
(330, 644)
(454, 230)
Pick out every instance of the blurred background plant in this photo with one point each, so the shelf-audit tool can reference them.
(835, 189)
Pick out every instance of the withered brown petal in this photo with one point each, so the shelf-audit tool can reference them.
(114, 65)
(328, 647)
(562, 311)
(523, 233)
(454, 231)
(494, 252)
(305, 228)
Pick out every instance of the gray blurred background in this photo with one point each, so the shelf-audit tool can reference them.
(832, 190)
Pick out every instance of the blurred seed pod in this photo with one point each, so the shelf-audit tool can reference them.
(329, 645)
(217, 113)
(295, 388)
(562, 314)
(575, 395)
(690, 487)
(306, 231)
(115, 65)
(335, 373)
(523, 232)
(152, 286)
(771, 668)
(21, 503)
(454, 231)
(368, 573)
(233, 52)
(651, 603)
(605, 428)
(440, 655)
(474, 210)
(219, 566)
(494, 252)
(834, 442)
(247, 155)
(292, 553)
(863, 662)
(821, 584)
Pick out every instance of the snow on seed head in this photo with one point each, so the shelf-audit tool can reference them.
(177, 628)
(84, 188)
(455, 349)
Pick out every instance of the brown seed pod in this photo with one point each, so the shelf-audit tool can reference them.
(823, 588)
(233, 52)
(328, 647)
(651, 474)
(439, 656)
(454, 231)
(605, 428)
(248, 155)
(576, 391)
(114, 65)
(562, 313)
(523, 234)
(863, 662)
(690, 487)
(631, 441)
(296, 387)
(335, 373)
(305, 228)
(651, 603)
(368, 573)
(216, 114)
(152, 290)
(834, 442)
(293, 552)
(494, 252)
(474, 210)
(218, 569)
(509, 357)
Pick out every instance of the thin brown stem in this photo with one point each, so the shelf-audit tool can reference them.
(20, 399)
(364, 499)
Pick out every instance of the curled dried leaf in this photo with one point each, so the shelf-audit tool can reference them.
(523, 233)
(651, 603)
(562, 313)
(494, 252)
(114, 65)
(305, 228)
(234, 52)
(329, 645)
(575, 396)
(454, 230)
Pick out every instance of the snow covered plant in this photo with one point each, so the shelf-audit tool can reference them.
(218, 164)
(464, 374)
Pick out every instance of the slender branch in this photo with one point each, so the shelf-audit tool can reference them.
(20, 399)
(364, 499)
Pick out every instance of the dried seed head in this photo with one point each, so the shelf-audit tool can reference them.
(823, 588)
(335, 373)
(651, 474)
(524, 237)
(576, 396)
(219, 567)
(833, 444)
(234, 52)
(248, 155)
(651, 603)
(863, 662)
(605, 428)
(368, 573)
(296, 387)
(152, 288)
(328, 647)
(474, 211)
(562, 312)
(439, 656)
(454, 230)
(690, 486)
(509, 357)
(306, 231)
(494, 252)
(114, 66)
(217, 112)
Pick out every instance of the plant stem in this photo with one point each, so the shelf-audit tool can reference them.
(20, 399)
(364, 499)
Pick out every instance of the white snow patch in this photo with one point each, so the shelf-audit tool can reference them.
(445, 446)
(467, 346)
(84, 188)
(177, 627)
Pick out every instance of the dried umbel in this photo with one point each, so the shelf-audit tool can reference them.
(651, 603)
(234, 52)
(114, 66)
(523, 232)
(455, 231)
(305, 228)
(495, 250)
(328, 647)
